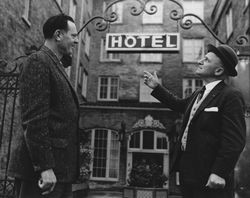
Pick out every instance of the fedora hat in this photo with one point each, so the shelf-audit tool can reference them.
(227, 56)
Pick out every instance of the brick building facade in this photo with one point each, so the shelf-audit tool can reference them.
(117, 100)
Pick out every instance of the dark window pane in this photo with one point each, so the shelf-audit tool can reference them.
(148, 139)
(135, 140)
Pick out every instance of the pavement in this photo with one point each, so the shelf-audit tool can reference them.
(113, 194)
(104, 194)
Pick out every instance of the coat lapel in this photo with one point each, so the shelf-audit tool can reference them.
(59, 66)
(216, 90)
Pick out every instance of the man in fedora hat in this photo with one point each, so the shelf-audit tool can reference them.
(213, 128)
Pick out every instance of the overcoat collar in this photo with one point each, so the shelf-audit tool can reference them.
(60, 67)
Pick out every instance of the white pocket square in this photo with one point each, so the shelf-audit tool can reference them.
(211, 109)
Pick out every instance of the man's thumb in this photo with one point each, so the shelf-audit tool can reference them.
(155, 75)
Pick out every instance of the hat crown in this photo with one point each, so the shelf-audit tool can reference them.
(227, 56)
(229, 52)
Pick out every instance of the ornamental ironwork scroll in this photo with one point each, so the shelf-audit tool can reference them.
(103, 22)
(179, 16)
(109, 17)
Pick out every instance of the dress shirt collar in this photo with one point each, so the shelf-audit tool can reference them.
(211, 85)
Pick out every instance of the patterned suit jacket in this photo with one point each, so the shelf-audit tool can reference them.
(50, 115)
(216, 134)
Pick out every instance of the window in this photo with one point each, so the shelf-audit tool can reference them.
(229, 21)
(194, 7)
(108, 56)
(145, 93)
(87, 43)
(117, 8)
(190, 85)
(151, 57)
(84, 83)
(26, 14)
(108, 88)
(72, 9)
(156, 18)
(193, 50)
(106, 149)
(148, 140)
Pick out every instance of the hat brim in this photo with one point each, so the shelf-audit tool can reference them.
(228, 65)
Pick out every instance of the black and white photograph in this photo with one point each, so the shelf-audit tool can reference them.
(124, 99)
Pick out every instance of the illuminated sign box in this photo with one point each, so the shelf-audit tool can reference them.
(143, 42)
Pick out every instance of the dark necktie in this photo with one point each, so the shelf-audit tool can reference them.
(201, 93)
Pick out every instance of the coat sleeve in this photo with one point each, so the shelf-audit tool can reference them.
(171, 101)
(233, 134)
(35, 107)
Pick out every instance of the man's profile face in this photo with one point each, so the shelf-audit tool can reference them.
(208, 65)
(69, 39)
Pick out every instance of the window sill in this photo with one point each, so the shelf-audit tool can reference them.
(151, 62)
(108, 61)
(152, 23)
(103, 179)
(107, 100)
(117, 23)
(26, 21)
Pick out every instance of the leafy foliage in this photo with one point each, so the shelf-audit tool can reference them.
(145, 174)
(85, 157)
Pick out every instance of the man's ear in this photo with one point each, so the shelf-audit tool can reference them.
(219, 71)
(57, 35)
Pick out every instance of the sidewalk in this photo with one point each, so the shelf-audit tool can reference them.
(113, 194)
(104, 194)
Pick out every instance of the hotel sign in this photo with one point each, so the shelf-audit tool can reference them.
(142, 42)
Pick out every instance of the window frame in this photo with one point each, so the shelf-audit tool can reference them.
(144, 56)
(193, 19)
(110, 55)
(149, 19)
(154, 150)
(108, 88)
(185, 58)
(193, 86)
(106, 178)
(118, 10)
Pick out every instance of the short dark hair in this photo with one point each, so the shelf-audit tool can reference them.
(54, 23)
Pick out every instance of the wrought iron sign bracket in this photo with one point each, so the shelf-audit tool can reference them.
(110, 17)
